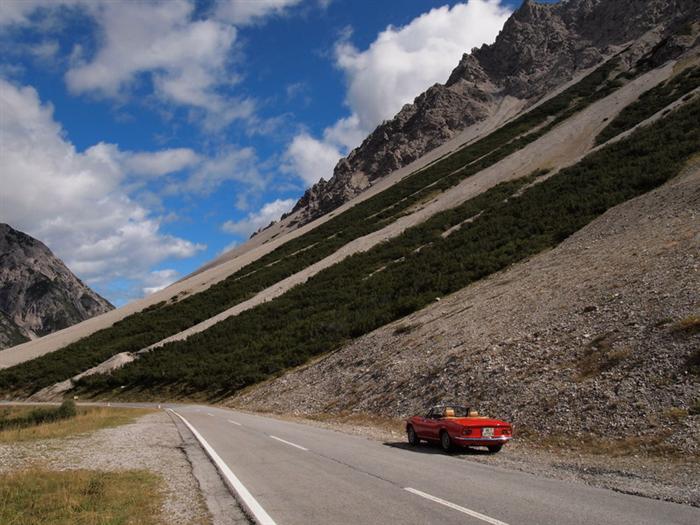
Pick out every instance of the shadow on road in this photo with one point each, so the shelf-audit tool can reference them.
(424, 448)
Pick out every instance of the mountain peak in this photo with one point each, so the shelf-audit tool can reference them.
(38, 293)
(541, 46)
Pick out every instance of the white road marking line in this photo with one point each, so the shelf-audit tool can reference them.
(454, 506)
(245, 497)
(234, 422)
(289, 443)
(210, 414)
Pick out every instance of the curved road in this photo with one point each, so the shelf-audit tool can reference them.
(297, 474)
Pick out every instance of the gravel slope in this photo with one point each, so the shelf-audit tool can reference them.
(582, 342)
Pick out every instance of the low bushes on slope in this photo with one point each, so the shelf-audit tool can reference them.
(162, 320)
(651, 102)
(371, 289)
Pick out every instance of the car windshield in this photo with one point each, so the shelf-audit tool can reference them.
(450, 411)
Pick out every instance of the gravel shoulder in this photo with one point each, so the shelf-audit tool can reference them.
(152, 443)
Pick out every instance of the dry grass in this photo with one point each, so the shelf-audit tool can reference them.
(690, 325)
(80, 497)
(88, 419)
(655, 445)
(385, 424)
(601, 356)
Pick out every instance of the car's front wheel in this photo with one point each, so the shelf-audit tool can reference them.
(494, 448)
(445, 441)
(412, 437)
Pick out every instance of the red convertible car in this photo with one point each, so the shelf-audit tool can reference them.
(455, 425)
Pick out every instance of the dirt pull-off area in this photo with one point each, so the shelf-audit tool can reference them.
(151, 443)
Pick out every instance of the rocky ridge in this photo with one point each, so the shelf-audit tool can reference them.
(539, 48)
(38, 293)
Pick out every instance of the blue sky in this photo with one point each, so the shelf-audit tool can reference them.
(140, 139)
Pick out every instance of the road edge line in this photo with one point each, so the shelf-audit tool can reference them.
(289, 443)
(239, 490)
(454, 506)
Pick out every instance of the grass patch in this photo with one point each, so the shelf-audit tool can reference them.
(162, 320)
(694, 409)
(690, 325)
(338, 305)
(80, 497)
(87, 419)
(693, 362)
(599, 356)
(405, 328)
(655, 445)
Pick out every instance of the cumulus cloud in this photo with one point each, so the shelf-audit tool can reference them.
(159, 279)
(76, 201)
(400, 64)
(184, 58)
(243, 12)
(160, 162)
(256, 220)
(229, 164)
(310, 159)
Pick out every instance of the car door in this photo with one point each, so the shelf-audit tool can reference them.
(431, 424)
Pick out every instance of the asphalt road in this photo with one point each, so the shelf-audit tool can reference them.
(304, 475)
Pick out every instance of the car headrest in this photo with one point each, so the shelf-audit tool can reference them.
(473, 413)
(449, 412)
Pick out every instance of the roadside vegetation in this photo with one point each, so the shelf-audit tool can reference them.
(80, 497)
(396, 278)
(651, 102)
(162, 320)
(36, 416)
(24, 423)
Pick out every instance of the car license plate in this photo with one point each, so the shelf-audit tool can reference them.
(487, 432)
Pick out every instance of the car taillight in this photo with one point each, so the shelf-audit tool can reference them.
(505, 432)
(466, 431)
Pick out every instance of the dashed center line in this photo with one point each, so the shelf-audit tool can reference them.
(290, 443)
(234, 422)
(454, 506)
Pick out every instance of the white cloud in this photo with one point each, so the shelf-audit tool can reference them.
(271, 211)
(159, 279)
(18, 12)
(243, 12)
(230, 164)
(400, 64)
(160, 162)
(75, 202)
(310, 159)
(184, 59)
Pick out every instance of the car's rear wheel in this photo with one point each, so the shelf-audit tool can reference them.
(412, 436)
(494, 448)
(445, 441)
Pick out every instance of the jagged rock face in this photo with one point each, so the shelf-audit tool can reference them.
(540, 47)
(38, 293)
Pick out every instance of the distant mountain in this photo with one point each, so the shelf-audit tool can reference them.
(38, 293)
(540, 47)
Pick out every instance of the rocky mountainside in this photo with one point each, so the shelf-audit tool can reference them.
(582, 340)
(540, 47)
(38, 293)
